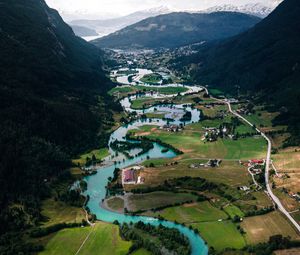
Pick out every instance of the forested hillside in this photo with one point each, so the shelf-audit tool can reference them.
(265, 58)
(178, 29)
(53, 105)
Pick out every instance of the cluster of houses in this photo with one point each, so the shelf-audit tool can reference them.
(212, 133)
(256, 166)
(131, 175)
(172, 128)
(210, 163)
(295, 196)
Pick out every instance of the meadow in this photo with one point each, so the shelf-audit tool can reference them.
(99, 154)
(157, 199)
(260, 228)
(68, 241)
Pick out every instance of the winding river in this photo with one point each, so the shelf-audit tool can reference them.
(97, 183)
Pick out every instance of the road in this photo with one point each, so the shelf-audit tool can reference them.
(268, 162)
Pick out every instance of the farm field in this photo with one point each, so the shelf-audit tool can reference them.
(260, 228)
(58, 212)
(125, 90)
(152, 78)
(189, 141)
(232, 211)
(221, 234)
(99, 154)
(157, 199)
(229, 172)
(191, 213)
(287, 162)
(211, 222)
(68, 241)
(116, 204)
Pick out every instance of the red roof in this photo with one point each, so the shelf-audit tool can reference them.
(258, 161)
(129, 176)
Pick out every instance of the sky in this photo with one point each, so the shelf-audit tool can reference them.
(106, 8)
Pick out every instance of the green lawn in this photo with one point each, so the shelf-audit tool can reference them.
(232, 211)
(99, 154)
(157, 199)
(221, 235)
(103, 240)
(198, 212)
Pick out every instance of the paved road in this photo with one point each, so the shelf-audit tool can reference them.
(268, 161)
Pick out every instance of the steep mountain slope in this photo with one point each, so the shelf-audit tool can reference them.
(177, 29)
(266, 57)
(83, 31)
(107, 26)
(52, 101)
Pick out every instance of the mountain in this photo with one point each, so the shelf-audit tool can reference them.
(264, 59)
(178, 29)
(52, 106)
(83, 31)
(256, 9)
(107, 26)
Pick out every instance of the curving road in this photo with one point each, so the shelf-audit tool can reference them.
(268, 162)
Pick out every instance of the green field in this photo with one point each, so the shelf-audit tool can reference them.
(221, 235)
(152, 78)
(260, 228)
(157, 199)
(229, 172)
(197, 212)
(116, 204)
(232, 211)
(99, 154)
(58, 212)
(125, 90)
(189, 141)
(141, 252)
(103, 240)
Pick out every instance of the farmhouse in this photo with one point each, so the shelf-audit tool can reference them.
(256, 161)
(130, 175)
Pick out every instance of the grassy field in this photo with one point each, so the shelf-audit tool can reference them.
(116, 204)
(260, 228)
(104, 239)
(191, 213)
(209, 220)
(233, 210)
(287, 162)
(229, 172)
(141, 252)
(99, 154)
(152, 78)
(157, 199)
(58, 212)
(155, 115)
(189, 141)
(221, 234)
(125, 90)
(261, 200)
